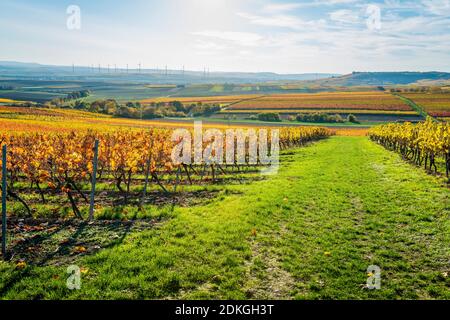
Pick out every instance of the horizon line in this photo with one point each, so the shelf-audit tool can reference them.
(208, 70)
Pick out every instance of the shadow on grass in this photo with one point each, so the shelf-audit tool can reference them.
(16, 277)
(54, 244)
(68, 238)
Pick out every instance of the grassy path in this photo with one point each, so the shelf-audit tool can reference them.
(311, 231)
(421, 111)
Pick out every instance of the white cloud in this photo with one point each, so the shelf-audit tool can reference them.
(406, 41)
(281, 7)
(341, 1)
(406, 24)
(209, 45)
(334, 2)
(240, 38)
(281, 21)
(437, 7)
(345, 16)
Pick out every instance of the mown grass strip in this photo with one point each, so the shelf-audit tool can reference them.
(421, 111)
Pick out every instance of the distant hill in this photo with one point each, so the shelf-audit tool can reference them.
(384, 78)
(10, 70)
(13, 64)
(33, 71)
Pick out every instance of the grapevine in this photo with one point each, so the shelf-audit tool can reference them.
(423, 143)
(61, 163)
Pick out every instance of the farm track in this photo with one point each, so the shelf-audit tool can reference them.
(243, 100)
(421, 111)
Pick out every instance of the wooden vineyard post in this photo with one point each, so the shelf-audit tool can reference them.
(147, 174)
(4, 172)
(94, 180)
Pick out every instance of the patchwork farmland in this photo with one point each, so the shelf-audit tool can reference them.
(435, 104)
(220, 100)
(378, 101)
(369, 106)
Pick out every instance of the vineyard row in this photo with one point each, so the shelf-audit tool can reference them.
(426, 144)
(63, 163)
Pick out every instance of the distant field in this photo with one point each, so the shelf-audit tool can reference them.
(351, 132)
(435, 104)
(138, 90)
(372, 100)
(2, 100)
(31, 94)
(60, 120)
(23, 119)
(368, 106)
(22, 111)
(296, 111)
(363, 103)
(159, 86)
(205, 100)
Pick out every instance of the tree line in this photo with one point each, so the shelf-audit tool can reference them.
(136, 110)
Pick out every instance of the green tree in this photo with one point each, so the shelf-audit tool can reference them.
(352, 118)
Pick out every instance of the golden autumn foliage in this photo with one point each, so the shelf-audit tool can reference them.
(63, 161)
(423, 142)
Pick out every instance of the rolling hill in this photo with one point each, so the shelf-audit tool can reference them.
(33, 71)
(384, 78)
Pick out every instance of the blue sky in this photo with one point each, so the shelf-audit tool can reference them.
(232, 35)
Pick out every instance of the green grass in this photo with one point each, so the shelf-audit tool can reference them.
(309, 232)
(421, 111)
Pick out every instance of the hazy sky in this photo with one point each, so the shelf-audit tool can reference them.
(336, 36)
